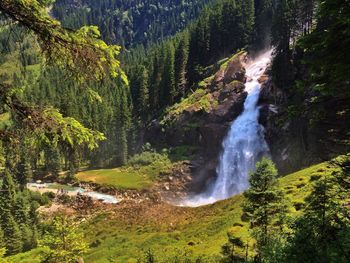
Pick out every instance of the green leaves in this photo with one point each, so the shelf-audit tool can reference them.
(81, 52)
(264, 204)
(63, 243)
(69, 130)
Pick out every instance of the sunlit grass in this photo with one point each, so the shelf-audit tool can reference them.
(139, 174)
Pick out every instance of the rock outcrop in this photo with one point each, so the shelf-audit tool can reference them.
(289, 137)
(203, 118)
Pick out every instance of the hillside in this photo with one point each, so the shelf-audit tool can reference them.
(123, 233)
(130, 23)
(174, 131)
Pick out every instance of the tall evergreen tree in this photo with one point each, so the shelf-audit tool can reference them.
(168, 89)
(64, 242)
(53, 160)
(7, 195)
(12, 234)
(181, 59)
(264, 205)
(122, 126)
(322, 233)
(143, 94)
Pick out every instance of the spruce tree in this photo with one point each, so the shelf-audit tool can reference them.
(122, 125)
(181, 59)
(168, 89)
(2, 238)
(322, 233)
(53, 160)
(12, 234)
(264, 205)
(154, 81)
(143, 94)
(7, 194)
(24, 169)
(64, 242)
(229, 249)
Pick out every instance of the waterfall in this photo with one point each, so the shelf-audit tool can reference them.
(243, 146)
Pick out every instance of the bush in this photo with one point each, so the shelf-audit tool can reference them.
(50, 195)
(146, 158)
(65, 199)
(41, 199)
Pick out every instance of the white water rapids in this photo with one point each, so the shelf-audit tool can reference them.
(243, 146)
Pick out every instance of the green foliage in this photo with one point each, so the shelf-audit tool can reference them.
(229, 249)
(200, 100)
(63, 243)
(321, 234)
(146, 158)
(12, 234)
(183, 152)
(327, 48)
(79, 56)
(70, 130)
(130, 23)
(264, 205)
(17, 219)
(52, 160)
(64, 47)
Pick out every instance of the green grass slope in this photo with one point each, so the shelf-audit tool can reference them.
(173, 230)
(140, 172)
(123, 233)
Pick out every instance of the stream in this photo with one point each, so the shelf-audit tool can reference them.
(70, 190)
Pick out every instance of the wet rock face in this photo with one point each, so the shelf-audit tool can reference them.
(288, 138)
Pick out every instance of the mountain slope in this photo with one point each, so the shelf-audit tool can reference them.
(130, 22)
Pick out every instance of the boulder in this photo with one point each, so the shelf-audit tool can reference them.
(235, 69)
(230, 90)
(219, 76)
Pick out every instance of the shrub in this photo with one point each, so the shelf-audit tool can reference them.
(146, 158)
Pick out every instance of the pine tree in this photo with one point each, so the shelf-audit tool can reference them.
(143, 94)
(53, 160)
(122, 125)
(21, 209)
(7, 195)
(64, 242)
(168, 90)
(231, 32)
(73, 165)
(229, 249)
(263, 22)
(322, 233)
(24, 171)
(181, 59)
(154, 82)
(264, 205)
(12, 234)
(2, 239)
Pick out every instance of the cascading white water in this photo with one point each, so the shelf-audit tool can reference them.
(243, 146)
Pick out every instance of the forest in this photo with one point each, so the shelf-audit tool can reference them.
(174, 131)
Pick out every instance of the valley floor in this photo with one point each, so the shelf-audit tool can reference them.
(125, 231)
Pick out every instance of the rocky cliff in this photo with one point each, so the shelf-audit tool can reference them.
(203, 118)
(300, 128)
